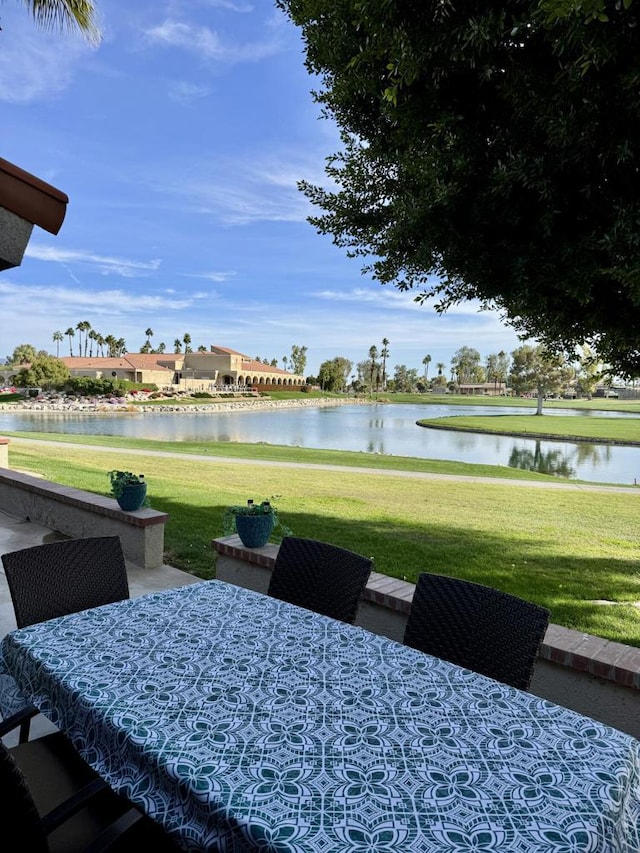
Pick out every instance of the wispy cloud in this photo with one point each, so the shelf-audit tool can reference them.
(207, 44)
(186, 93)
(390, 297)
(243, 8)
(105, 265)
(33, 68)
(244, 189)
(218, 277)
(114, 301)
(376, 295)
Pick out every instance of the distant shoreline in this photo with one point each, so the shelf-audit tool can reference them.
(124, 406)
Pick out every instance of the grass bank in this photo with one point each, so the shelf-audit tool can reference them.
(558, 427)
(603, 404)
(574, 551)
(280, 453)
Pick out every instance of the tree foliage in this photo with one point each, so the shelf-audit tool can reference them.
(489, 151)
(45, 371)
(536, 369)
(66, 14)
(298, 359)
(466, 367)
(404, 378)
(334, 374)
(497, 368)
(23, 354)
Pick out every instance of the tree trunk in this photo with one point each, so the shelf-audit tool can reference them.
(540, 399)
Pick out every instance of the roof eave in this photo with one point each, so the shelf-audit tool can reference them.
(31, 198)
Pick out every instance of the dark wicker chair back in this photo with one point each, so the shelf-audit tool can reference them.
(55, 803)
(65, 577)
(319, 576)
(476, 627)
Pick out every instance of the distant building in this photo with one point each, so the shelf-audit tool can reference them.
(217, 369)
(489, 389)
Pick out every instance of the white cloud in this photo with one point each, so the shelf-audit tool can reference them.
(33, 68)
(114, 302)
(376, 295)
(207, 44)
(187, 92)
(242, 190)
(218, 277)
(105, 265)
(229, 4)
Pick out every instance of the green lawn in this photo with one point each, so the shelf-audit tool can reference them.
(572, 550)
(596, 404)
(561, 427)
(304, 455)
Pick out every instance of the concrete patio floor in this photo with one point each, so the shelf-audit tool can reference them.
(16, 533)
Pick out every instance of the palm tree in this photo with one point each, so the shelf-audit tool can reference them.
(187, 342)
(100, 343)
(70, 332)
(285, 361)
(83, 326)
(373, 354)
(93, 336)
(149, 334)
(110, 342)
(57, 337)
(426, 361)
(66, 14)
(177, 345)
(385, 356)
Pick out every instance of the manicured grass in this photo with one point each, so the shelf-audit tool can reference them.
(565, 428)
(303, 455)
(596, 404)
(574, 551)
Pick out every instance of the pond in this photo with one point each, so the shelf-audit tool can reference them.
(384, 429)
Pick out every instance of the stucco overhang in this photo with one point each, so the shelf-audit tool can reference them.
(25, 201)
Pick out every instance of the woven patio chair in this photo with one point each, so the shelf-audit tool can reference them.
(65, 577)
(52, 580)
(54, 802)
(476, 627)
(320, 577)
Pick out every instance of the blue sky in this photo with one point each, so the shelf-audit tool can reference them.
(179, 141)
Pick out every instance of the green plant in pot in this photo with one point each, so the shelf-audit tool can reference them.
(255, 523)
(129, 489)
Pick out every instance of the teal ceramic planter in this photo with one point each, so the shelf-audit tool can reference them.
(254, 530)
(132, 497)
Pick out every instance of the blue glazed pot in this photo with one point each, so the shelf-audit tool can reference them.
(254, 530)
(132, 496)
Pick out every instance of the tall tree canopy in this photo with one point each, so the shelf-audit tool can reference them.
(490, 151)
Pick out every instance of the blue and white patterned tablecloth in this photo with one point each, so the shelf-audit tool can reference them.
(240, 721)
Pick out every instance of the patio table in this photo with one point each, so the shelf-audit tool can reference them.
(243, 723)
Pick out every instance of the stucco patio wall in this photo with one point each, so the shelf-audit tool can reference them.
(77, 513)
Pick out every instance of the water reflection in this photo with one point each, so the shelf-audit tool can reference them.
(592, 454)
(380, 429)
(375, 447)
(544, 462)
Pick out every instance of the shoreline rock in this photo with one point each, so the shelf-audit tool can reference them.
(120, 406)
